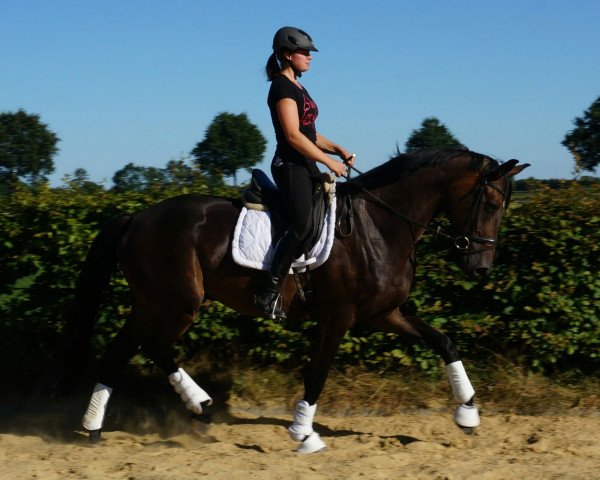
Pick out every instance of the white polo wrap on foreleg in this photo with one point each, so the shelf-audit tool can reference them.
(192, 395)
(94, 415)
(461, 386)
(467, 416)
(303, 421)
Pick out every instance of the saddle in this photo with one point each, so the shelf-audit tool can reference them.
(262, 222)
(263, 195)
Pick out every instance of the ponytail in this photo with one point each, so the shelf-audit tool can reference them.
(272, 69)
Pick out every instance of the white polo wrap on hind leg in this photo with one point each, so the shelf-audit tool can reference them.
(461, 386)
(192, 395)
(94, 415)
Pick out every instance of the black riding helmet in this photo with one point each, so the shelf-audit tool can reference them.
(292, 39)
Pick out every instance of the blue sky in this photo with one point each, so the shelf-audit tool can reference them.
(139, 81)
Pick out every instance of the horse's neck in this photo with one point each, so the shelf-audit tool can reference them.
(415, 198)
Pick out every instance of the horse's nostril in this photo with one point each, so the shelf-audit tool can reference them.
(481, 271)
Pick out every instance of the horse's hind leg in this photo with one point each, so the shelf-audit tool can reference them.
(159, 349)
(167, 313)
(118, 353)
(466, 415)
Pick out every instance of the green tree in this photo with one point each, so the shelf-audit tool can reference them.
(176, 174)
(137, 179)
(181, 175)
(231, 142)
(584, 140)
(80, 180)
(26, 148)
(432, 134)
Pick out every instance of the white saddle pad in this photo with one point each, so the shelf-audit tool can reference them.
(252, 244)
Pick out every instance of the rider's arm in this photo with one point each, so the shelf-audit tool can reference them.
(288, 116)
(328, 146)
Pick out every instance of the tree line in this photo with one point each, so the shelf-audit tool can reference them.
(231, 143)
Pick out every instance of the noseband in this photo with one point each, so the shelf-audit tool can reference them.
(461, 242)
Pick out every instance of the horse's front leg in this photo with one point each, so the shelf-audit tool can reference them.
(326, 343)
(466, 415)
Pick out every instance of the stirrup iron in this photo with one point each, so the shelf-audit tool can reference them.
(276, 311)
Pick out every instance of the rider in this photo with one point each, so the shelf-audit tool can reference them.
(299, 147)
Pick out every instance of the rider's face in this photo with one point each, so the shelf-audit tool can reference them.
(300, 59)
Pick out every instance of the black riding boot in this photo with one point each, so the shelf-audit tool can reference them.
(268, 293)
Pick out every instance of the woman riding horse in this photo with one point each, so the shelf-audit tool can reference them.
(299, 147)
(177, 254)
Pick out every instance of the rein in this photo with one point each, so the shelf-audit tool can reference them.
(461, 242)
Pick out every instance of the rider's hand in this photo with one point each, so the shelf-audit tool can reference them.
(338, 168)
(345, 155)
(349, 159)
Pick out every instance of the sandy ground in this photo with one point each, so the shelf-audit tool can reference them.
(42, 440)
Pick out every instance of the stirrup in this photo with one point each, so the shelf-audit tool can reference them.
(275, 310)
(272, 309)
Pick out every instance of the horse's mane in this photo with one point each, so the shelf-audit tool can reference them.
(405, 164)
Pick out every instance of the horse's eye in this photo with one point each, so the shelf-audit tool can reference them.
(491, 207)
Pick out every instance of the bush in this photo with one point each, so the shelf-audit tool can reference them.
(539, 306)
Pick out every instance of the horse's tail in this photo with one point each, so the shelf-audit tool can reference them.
(92, 284)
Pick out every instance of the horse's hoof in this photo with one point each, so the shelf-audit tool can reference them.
(95, 437)
(206, 415)
(312, 444)
(199, 425)
(467, 430)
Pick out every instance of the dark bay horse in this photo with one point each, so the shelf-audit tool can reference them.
(177, 254)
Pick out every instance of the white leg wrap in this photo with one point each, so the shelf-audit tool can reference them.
(301, 429)
(94, 415)
(303, 420)
(466, 416)
(312, 444)
(192, 395)
(461, 386)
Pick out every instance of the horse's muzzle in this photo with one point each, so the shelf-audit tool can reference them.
(481, 272)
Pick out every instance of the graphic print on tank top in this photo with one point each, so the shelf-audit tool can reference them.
(310, 110)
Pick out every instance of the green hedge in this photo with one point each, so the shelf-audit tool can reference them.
(539, 307)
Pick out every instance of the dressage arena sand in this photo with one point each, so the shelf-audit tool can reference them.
(143, 440)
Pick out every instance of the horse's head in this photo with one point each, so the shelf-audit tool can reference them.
(475, 206)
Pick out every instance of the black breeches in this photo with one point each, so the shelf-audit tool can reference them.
(295, 184)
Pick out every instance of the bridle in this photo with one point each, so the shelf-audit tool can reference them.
(461, 242)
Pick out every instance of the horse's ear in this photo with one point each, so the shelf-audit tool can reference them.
(507, 168)
(518, 169)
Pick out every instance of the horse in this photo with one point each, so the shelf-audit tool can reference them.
(176, 254)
